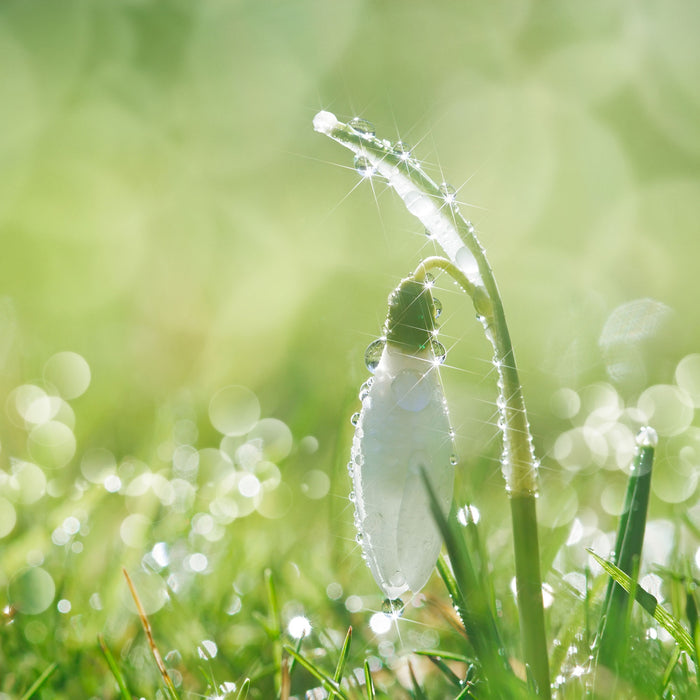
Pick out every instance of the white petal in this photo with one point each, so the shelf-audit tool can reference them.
(403, 429)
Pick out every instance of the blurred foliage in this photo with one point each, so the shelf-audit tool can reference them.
(167, 213)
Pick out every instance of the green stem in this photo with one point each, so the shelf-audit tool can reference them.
(426, 200)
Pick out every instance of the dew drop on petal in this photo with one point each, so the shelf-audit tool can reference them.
(393, 607)
(454, 460)
(438, 307)
(362, 126)
(373, 354)
(355, 418)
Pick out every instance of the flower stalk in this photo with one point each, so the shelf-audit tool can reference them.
(435, 206)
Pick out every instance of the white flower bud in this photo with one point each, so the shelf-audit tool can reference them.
(403, 429)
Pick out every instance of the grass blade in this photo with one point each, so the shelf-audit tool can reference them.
(651, 605)
(243, 692)
(116, 672)
(344, 652)
(328, 683)
(628, 550)
(170, 688)
(369, 683)
(40, 681)
(451, 676)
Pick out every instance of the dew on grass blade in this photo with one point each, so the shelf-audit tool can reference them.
(449, 194)
(234, 410)
(647, 437)
(402, 150)
(362, 127)
(363, 166)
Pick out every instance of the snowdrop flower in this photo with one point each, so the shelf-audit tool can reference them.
(402, 430)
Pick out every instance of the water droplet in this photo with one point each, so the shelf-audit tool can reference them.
(454, 460)
(373, 354)
(351, 468)
(449, 194)
(363, 166)
(438, 350)
(355, 418)
(410, 391)
(362, 127)
(647, 437)
(438, 307)
(358, 538)
(364, 389)
(402, 150)
(393, 607)
(351, 496)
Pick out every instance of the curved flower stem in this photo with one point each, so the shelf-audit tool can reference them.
(436, 208)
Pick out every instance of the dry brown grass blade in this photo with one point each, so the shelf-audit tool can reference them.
(149, 635)
(286, 684)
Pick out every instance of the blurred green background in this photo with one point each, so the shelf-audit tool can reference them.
(168, 213)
